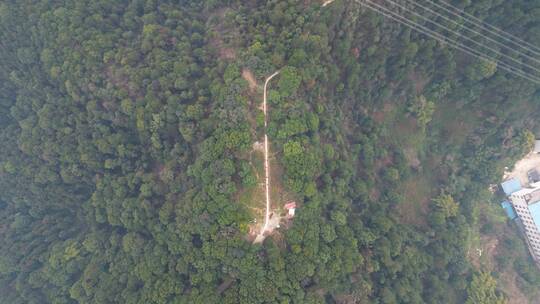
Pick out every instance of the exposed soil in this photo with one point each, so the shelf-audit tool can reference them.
(248, 76)
(380, 116)
(508, 284)
(483, 256)
(279, 197)
(327, 2)
(412, 158)
(255, 198)
(226, 53)
(258, 146)
(521, 168)
(273, 224)
(266, 204)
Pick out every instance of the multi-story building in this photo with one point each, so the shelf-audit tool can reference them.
(526, 203)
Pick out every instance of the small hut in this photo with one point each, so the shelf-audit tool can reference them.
(291, 207)
(536, 146)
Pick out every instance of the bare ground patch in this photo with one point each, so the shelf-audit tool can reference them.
(482, 256)
(254, 198)
(250, 78)
(531, 161)
(508, 284)
(258, 146)
(381, 116)
(412, 158)
(280, 196)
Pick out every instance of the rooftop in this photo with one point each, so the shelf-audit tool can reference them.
(532, 195)
(510, 186)
(290, 205)
(535, 213)
(527, 190)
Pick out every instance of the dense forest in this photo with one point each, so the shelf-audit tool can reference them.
(126, 125)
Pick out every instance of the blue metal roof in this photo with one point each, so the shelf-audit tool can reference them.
(509, 209)
(510, 186)
(535, 212)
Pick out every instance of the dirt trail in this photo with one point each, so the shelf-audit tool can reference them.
(327, 2)
(260, 237)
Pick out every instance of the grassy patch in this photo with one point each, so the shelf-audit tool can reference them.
(401, 129)
(453, 124)
(278, 194)
(254, 198)
(417, 193)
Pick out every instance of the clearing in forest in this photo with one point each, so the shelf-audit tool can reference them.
(486, 250)
(266, 225)
(254, 198)
(248, 76)
(266, 199)
(417, 193)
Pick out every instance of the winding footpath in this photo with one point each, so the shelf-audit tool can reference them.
(266, 165)
(327, 2)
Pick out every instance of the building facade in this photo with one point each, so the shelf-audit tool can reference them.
(526, 203)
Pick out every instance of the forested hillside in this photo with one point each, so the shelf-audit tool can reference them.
(125, 127)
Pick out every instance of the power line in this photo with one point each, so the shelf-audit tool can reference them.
(486, 26)
(445, 40)
(478, 33)
(453, 43)
(465, 37)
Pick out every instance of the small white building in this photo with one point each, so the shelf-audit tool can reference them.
(536, 146)
(291, 207)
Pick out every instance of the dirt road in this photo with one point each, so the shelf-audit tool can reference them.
(266, 166)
